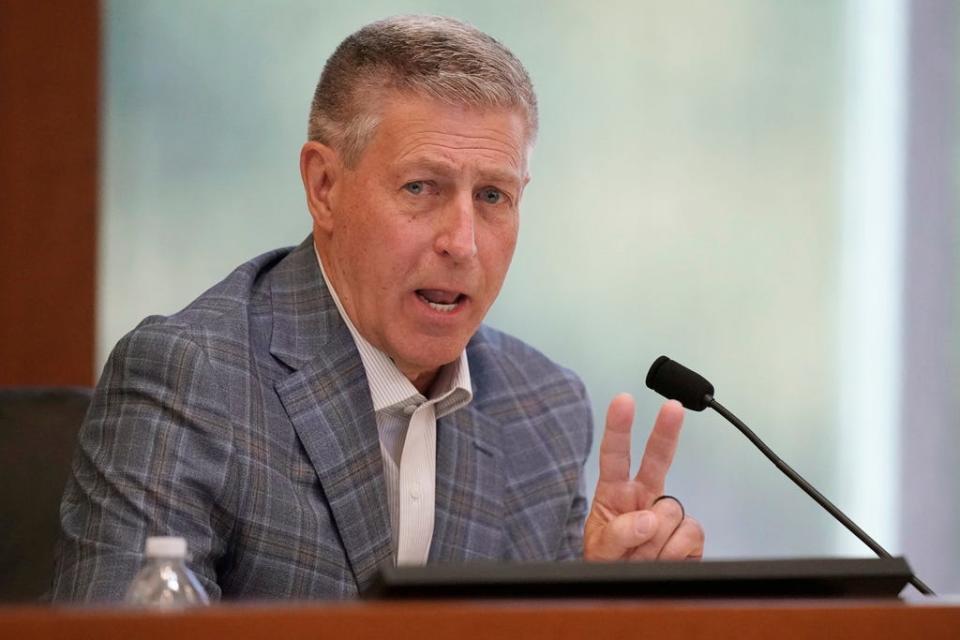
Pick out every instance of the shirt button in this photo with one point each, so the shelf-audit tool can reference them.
(410, 409)
(415, 492)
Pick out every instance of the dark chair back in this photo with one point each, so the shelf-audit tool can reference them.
(38, 433)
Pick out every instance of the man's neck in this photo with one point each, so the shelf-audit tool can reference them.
(422, 381)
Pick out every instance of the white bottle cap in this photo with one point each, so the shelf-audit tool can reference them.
(166, 547)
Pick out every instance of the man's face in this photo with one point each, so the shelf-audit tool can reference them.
(421, 231)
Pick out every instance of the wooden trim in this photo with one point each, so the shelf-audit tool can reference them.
(591, 620)
(49, 110)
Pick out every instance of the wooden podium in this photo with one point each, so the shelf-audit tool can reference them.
(526, 620)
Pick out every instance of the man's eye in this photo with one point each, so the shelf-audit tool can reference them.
(416, 188)
(490, 195)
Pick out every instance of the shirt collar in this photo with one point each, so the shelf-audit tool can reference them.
(390, 390)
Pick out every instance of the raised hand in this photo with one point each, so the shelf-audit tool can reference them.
(627, 520)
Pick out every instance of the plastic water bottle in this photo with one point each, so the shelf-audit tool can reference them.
(165, 582)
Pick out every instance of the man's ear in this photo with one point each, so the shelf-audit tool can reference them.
(320, 169)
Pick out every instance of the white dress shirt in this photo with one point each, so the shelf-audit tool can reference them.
(407, 424)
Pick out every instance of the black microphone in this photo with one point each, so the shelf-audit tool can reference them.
(674, 381)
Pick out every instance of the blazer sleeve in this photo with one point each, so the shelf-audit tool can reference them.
(153, 458)
(571, 547)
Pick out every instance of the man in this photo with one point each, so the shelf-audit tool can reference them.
(339, 405)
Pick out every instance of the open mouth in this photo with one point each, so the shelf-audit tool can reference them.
(442, 301)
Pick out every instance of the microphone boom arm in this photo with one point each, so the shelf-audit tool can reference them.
(809, 489)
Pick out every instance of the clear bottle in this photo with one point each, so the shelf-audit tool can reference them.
(165, 582)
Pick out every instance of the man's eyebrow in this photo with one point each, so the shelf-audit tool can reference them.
(437, 165)
(440, 166)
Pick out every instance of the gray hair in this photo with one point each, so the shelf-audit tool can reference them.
(429, 56)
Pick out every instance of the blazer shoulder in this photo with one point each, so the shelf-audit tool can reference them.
(508, 361)
(222, 311)
(243, 287)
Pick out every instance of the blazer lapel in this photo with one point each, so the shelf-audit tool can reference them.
(468, 521)
(328, 401)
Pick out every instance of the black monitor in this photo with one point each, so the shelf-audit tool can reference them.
(795, 578)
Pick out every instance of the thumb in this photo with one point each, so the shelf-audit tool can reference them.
(620, 535)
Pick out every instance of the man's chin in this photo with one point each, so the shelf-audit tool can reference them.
(430, 357)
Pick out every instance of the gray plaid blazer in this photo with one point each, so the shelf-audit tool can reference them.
(244, 423)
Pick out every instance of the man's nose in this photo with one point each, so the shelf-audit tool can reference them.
(457, 233)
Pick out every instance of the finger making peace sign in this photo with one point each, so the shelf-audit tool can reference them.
(630, 518)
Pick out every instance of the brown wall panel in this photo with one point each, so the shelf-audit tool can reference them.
(49, 103)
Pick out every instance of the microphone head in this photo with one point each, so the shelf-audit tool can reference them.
(674, 381)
